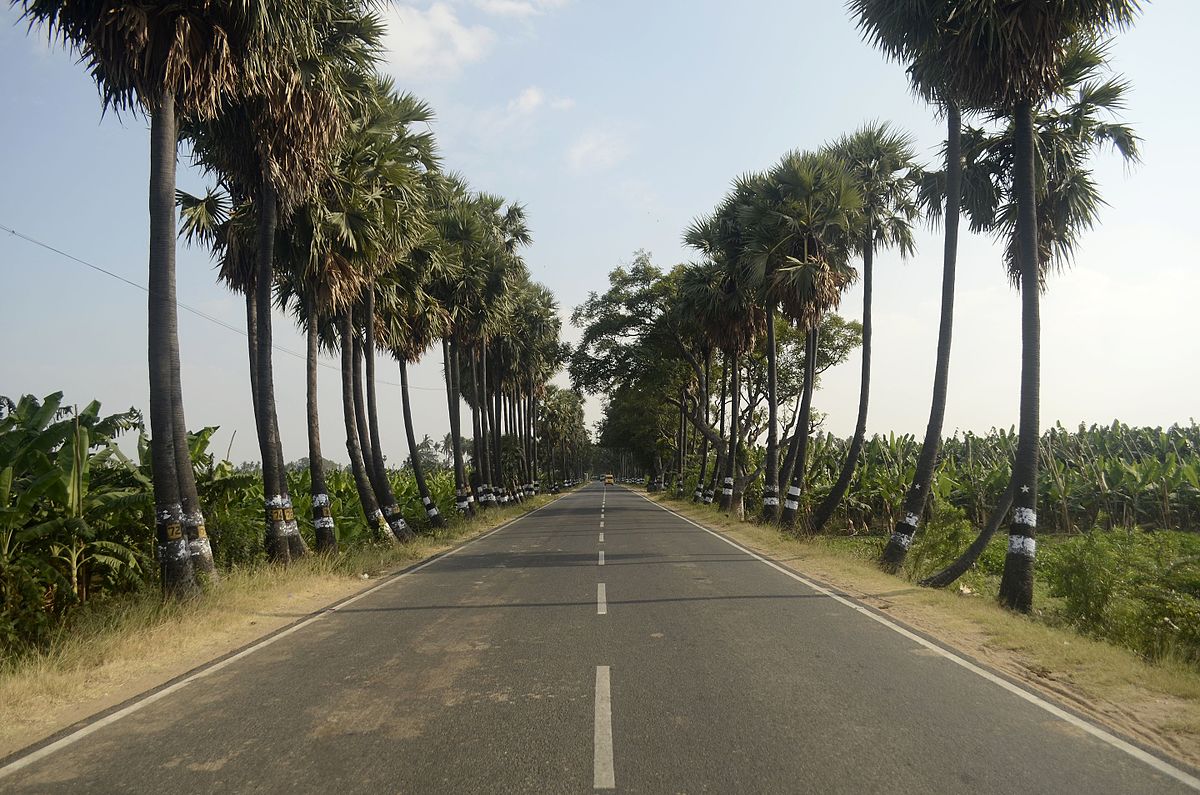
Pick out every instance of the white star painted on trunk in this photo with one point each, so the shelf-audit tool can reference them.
(1024, 489)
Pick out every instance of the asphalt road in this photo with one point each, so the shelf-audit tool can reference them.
(519, 663)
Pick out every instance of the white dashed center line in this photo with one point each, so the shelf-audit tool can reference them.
(603, 776)
(601, 600)
(601, 563)
(602, 538)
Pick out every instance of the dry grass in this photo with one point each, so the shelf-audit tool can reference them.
(117, 650)
(1155, 703)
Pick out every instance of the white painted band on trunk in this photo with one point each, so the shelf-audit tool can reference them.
(728, 481)
(902, 540)
(200, 546)
(912, 520)
(728, 492)
(1025, 516)
(275, 501)
(324, 522)
(463, 504)
(175, 550)
(603, 773)
(431, 512)
(320, 500)
(790, 504)
(1022, 545)
(771, 501)
(427, 501)
(793, 491)
(601, 600)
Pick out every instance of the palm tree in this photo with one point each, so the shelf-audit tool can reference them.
(806, 217)
(1067, 132)
(1005, 59)
(165, 60)
(725, 305)
(881, 164)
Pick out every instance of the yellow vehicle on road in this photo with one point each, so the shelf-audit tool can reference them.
(608, 480)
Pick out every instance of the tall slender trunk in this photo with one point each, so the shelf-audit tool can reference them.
(485, 432)
(719, 458)
(700, 492)
(358, 468)
(431, 510)
(796, 463)
(478, 470)
(322, 515)
(735, 402)
(770, 506)
(383, 488)
(193, 516)
(279, 514)
(967, 559)
(1016, 584)
(834, 498)
(174, 556)
(252, 346)
(533, 439)
(918, 492)
(360, 415)
(494, 419)
(462, 495)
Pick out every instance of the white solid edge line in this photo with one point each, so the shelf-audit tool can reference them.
(107, 720)
(1097, 732)
(601, 563)
(603, 775)
(601, 600)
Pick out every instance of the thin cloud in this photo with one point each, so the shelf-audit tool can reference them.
(518, 9)
(432, 43)
(597, 150)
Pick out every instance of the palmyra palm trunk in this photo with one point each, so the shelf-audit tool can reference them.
(719, 453)
(796, 464)
(699, 493)
(834, 498)
(533, 441)
(358, 467)
(193, 516)
(431, 511)
(485, 463)
(918, 492)
(735, 404)
(174, 557)
(495, 416)
(462, 494)
(477, 472)
(383, 486)
(967, 559)
(322, 514)
(281, 519)
(1016, 584)
(770, 506)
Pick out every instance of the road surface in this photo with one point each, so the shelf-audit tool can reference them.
(599, 643)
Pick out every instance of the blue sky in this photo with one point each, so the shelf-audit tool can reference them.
(616, 123)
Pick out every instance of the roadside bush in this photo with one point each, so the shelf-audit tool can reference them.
(1141, 590)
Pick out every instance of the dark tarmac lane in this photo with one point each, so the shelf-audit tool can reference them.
(520, 663)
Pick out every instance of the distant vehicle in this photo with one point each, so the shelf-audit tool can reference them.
(608, 480)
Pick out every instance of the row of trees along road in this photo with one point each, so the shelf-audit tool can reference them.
(330, 200)
(721, 347)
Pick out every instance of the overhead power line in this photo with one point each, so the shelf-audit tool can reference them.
(197, 312)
